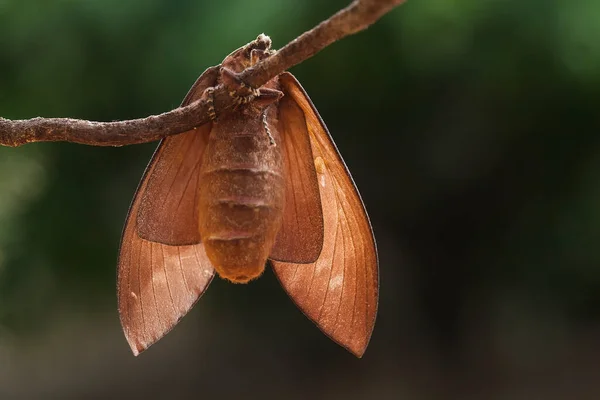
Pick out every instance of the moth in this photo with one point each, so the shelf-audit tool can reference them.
(263, 184)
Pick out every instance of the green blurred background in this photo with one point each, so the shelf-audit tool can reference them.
(471, 129)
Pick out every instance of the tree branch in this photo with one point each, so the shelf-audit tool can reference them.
(359, 15)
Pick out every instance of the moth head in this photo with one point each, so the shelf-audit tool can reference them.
(248, 55)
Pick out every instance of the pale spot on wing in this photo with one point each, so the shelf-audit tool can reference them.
(336, 281)
(159, 279)
(321, 169)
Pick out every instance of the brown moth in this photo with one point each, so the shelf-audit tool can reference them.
(264, 183)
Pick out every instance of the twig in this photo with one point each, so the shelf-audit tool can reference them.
(356, 17)
(119, 133)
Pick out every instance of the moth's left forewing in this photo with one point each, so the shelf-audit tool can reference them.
(339, 291)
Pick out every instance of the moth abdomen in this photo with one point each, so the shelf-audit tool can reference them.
(249, 189)
(241, 197)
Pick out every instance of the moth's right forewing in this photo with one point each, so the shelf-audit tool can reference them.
(157, 284)
(163, 268)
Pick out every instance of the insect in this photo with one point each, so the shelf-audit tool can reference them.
(262, 184)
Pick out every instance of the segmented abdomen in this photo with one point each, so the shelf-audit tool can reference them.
(241, 195)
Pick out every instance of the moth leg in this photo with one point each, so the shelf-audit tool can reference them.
(266, 97)
(257, 55)
(238, 89)
(241, 92)
(209, 96)
(266, 126)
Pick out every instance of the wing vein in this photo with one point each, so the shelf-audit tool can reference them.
(195, 205)
(330, 270)
(128, 293)
(355, 263)
(366, 290)
(162, 250)
(187, 184)
(152, 283)
(179, 166)
(342, 215)
(140, 287)
(181, 269)
(293, 180)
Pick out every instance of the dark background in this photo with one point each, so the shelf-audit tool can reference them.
(471, 129)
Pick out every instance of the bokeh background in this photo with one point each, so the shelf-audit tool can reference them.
(471, 128)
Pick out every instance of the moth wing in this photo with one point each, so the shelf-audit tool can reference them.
(339, 291)
(300, 238)
(168, 209)
(161, 274)
(157, 284)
